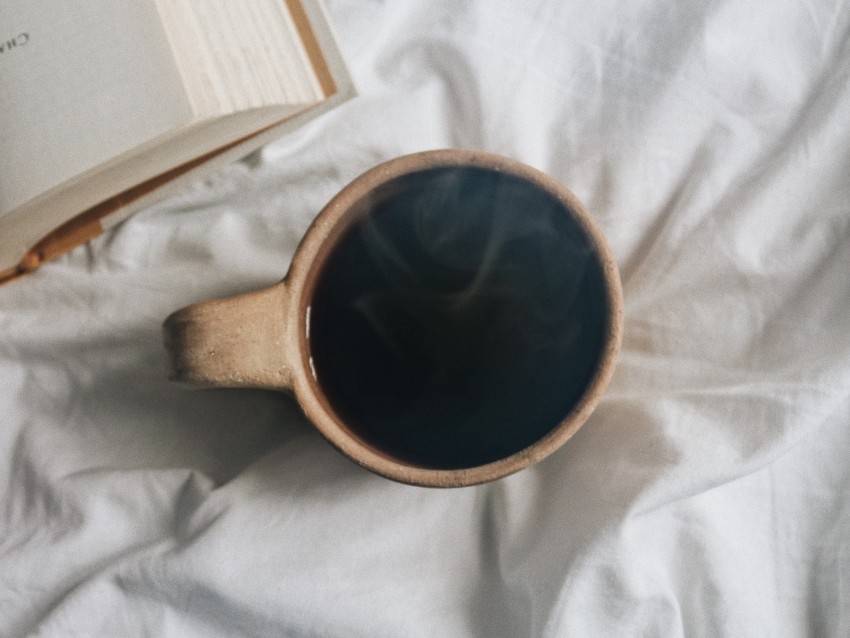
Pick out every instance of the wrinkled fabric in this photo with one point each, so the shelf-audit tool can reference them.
(708, 495)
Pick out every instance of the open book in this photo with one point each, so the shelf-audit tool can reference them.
(107, 105)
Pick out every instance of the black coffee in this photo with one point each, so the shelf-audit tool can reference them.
(460, 320)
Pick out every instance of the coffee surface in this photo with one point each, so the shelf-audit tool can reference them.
(460, 320)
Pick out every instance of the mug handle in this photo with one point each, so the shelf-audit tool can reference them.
(236, 342)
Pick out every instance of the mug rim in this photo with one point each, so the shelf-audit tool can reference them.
(319, 241)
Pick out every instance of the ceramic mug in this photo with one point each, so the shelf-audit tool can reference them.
(449, 318)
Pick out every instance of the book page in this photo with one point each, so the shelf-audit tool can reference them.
(80, 82)
(235, 56)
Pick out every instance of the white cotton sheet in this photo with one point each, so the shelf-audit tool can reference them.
(708, 495)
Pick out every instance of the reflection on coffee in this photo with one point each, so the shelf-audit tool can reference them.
(459, 320)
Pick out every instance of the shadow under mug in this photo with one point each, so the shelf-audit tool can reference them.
(449, 318)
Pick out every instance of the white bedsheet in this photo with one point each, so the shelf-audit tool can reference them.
(709, 494)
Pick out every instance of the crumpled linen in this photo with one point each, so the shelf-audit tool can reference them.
(709, 494)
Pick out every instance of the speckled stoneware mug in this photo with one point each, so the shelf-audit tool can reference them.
(450, 317)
